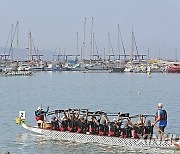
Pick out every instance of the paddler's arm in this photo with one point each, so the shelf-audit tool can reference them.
(78, 113)
(157, 119)
(107, 119)
(130, 122)
(68, 114)
(96, 122)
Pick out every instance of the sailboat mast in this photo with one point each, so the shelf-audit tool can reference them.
(17, 40)
(91, 52)
(111, 46)
(132, 48)
(30, 46)
(118, 44)
(93, 44)
(104, 54)
(84, 42)
(77, 39)
(136, 46)
(122, 44)
(11, 47)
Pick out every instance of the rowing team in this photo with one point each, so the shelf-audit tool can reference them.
(77, 121)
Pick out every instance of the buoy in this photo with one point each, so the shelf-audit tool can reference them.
(138, 93)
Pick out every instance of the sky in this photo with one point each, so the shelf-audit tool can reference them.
(54, 25)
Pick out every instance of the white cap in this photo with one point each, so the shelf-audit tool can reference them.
(39, 108)
(160, 105)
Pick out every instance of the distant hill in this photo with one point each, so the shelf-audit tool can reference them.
(22, 54)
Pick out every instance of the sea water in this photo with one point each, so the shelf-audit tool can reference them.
(113, 93)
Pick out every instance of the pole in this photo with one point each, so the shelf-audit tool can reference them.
(176, 54)
(118, 43)
(77, 44)
(17, 39)
(91, 52)
(84, 42)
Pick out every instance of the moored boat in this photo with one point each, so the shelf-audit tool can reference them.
(18, 73)
(175, 68)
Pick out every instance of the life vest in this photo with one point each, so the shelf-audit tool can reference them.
(40, 117)
(148, 130)
(70, 126)
(101, 129)
(63, 125)
(135, 134)
(55, 125)
(81, 127)
(126, 132)
(163, 116)
(62, 128)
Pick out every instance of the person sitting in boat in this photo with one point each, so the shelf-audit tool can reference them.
(119, 119)
(148, 130)
(126, 130)
(55, 123)
(106, 124)
(113, 128)
(93, 125)
(72, 115)
(118, 123)
(39, 113)
(161, 117)
(81, 125)
(103, 126)
(73, 120)
(64, 122)
(138, 127)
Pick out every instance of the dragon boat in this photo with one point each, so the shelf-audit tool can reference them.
(170, 142)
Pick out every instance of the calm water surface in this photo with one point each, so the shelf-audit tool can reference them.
(133, 93)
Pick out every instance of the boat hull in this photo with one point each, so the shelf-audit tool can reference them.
(107, 140)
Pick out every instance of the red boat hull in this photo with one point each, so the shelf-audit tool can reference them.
(174, 69)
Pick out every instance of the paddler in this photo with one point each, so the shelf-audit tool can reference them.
(55, 123)
(39, 113)
(138, 127)
(161, 117)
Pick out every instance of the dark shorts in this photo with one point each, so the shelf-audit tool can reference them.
(162, 128)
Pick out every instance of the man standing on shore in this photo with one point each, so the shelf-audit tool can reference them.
(161, 117)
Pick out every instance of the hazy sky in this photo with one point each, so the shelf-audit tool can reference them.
(54, 23)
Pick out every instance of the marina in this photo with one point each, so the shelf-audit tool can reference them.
(90, 77)
(117, 66)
